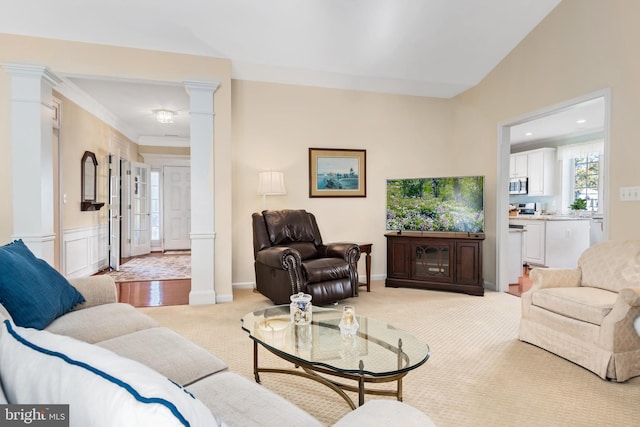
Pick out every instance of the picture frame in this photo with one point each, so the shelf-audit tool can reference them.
(337, 172)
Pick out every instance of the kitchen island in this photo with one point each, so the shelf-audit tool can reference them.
(554, 241)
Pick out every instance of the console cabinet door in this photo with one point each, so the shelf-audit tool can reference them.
(399, 258)
(468, 263)
(433, 260)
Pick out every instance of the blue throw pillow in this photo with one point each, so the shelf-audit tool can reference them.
(32, 291)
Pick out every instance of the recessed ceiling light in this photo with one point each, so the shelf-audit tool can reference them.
(528, 134)
(580, 121)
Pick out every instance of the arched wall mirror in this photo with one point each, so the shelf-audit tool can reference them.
(88, 179)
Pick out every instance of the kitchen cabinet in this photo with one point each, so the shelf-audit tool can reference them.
(443, 261)
(518, 164)
(533, 243)
(555, 243)
(541, 170)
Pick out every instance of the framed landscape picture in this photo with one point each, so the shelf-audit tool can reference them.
(337, 172)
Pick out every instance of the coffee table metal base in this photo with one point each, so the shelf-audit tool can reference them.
(313, 372)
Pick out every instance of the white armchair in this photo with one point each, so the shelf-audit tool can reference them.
(587, 314)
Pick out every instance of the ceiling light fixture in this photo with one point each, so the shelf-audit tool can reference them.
(580, 121)
(164, 116)
(528, 134)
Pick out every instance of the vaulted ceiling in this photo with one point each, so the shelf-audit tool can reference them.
(436, 48)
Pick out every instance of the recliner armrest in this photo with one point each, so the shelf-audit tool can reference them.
(350, 252)
(276, 257)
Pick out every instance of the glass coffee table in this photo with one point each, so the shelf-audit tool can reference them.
(375, 353)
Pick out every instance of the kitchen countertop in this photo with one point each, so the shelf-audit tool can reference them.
(550, 218)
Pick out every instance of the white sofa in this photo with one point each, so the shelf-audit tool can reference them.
(586, 315)
(131, 347)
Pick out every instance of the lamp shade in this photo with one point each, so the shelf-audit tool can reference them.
(271, 183)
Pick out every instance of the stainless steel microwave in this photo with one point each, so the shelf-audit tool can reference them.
(518, 186)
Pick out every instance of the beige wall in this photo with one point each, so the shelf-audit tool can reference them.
(81, 131)
(274, 125)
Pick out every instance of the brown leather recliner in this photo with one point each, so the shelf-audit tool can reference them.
(290, 258)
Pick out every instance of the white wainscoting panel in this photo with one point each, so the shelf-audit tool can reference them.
(85, 250)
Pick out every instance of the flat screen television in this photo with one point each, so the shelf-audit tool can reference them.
(447, 204)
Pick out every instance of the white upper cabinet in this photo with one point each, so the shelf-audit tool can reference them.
(540, 169)
(518, 165)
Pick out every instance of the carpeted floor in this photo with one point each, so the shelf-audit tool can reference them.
(154, 267)
(479, 373)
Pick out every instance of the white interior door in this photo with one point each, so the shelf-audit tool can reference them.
(177, 207)
(139, 192)
(114, 211)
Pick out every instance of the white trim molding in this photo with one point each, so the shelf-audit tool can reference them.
(85, 250)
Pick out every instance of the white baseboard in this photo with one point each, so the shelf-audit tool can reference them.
(244, 285)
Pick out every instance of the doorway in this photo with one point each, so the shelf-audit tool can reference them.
(505, 139)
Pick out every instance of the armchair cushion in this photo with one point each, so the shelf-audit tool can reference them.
(585, 304)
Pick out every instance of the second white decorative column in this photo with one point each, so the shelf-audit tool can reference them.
(202, 193)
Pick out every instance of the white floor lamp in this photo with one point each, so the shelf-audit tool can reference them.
(270, 183)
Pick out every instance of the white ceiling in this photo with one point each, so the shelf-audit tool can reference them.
(436, 48)
(584, 118)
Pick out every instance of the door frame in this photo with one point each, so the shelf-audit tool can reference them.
(119, 151)
(502, 180)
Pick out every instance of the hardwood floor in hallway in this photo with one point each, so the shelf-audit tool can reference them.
(153, 293)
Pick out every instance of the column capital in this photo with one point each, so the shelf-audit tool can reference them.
(192, 85)
(17, 70)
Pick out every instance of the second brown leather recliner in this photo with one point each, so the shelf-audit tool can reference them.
(290, 257)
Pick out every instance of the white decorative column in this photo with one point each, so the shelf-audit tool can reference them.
(202, 193)
(31, 137)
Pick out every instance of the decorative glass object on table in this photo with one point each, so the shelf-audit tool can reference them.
(348, 324)
(300, 309)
